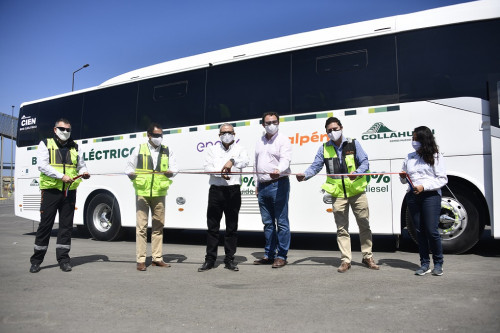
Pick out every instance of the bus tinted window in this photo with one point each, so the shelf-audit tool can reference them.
(67, 107)
(342, 62)
(247, 89)
(450, 61)
(172, 101)
(109, 111)
(39, 119)
(345, 75)
(170, 91)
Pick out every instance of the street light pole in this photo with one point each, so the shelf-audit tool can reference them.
(12, 150)
(73, 82)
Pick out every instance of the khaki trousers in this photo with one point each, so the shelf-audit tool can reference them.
(359, 205)
(157, 206)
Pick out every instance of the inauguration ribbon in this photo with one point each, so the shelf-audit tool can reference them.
(69, 185)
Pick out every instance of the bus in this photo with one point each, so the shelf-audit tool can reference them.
(382, 78)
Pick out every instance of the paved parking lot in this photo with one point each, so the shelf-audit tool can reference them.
(104, 292)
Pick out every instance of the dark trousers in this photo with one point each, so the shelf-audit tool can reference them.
(227, 200)
(425, 209)
(53, 201)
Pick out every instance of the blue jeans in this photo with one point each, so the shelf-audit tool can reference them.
(273, 204)
(424, 210)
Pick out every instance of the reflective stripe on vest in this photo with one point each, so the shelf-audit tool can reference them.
(342, 186)
(147, 184)
(56, 161)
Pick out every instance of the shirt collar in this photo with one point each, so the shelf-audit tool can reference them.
(331, 143)
(229, 148)
(272, 138)
(151, 148)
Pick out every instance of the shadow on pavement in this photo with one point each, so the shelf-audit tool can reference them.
(486, 247)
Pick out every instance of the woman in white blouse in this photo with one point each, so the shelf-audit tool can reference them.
(427, 175)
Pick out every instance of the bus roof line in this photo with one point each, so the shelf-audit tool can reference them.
(472, 11)
(465, 12)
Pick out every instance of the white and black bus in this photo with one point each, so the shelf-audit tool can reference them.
(439, 68)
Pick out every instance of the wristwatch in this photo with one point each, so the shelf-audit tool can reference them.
(232, 160)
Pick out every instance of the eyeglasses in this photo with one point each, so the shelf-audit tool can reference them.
(155, 135)
(64, 129)
(333, 130)
(222, 133)
(274, 122)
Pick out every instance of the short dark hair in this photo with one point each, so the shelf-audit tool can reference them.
(270, 113)
(152, 127)
(332, 120)
(62, 120)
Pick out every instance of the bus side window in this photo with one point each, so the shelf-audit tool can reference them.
(175, 100)
(345, 75)
(341, 62)
(109, 111)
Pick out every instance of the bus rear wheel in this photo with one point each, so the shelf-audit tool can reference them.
(459, 223)
(103, 218)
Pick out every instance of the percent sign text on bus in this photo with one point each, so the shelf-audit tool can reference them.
(382, 178)
(248, 181)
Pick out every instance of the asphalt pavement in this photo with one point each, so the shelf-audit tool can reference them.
(105, 293)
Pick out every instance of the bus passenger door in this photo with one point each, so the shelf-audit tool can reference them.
(494, 90)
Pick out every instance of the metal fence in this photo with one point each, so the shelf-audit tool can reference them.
(8, 126)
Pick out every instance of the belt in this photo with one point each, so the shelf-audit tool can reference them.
(273, 180)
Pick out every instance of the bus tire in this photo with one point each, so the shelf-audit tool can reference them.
(103, 218)
(459, 223)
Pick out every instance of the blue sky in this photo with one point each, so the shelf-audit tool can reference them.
(43, 42)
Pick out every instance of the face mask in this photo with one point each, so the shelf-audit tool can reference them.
(335, 135)
(271, 129)
(63, 136)
(416, 145)
(227, 138)
(156, 141)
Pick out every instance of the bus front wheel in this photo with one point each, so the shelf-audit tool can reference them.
(459, 223)
(103, 218)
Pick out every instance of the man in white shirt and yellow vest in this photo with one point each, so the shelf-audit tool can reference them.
(59, 164)
(150, 168)
(342, 155)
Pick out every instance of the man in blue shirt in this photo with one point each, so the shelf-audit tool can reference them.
(346, 157)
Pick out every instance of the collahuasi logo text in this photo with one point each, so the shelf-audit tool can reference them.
(380, 131)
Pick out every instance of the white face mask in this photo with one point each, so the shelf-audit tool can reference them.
(416, 145)
(63, 136)
(227, 138)
(335, 135)
(157, 141)
(272, 129)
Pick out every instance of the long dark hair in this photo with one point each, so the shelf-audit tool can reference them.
(428, 144)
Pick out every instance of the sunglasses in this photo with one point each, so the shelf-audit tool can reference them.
(222, 133)
(274, 122)
(154, 135)
(333, 130)
(64, 129)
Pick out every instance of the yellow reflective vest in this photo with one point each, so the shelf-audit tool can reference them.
(147, 183)
(342, 186)
(65, 165)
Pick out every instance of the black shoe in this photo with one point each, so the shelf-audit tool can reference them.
(35, 268)
(65, 267)
(231, 266)
(263, 261)
(206, 266)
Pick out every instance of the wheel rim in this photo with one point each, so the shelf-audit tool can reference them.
(452, 218)
(101, 217)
